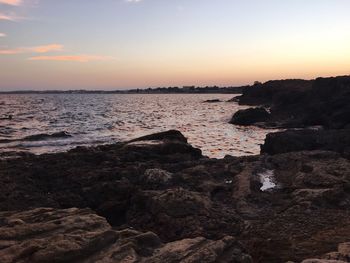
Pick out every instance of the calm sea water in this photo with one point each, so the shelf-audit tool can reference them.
(97, 119)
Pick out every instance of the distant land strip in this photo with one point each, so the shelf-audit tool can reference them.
(162, 90)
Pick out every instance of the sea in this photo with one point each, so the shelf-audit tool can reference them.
(48, 123)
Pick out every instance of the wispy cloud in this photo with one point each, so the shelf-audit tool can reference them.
(73, 58)
(11, 2)
(52, 48)
(133, 1)
(47, 48)
(36, 49)
(8, 17)
(2, 35)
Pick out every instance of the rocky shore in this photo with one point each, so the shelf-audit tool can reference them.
(158, 199)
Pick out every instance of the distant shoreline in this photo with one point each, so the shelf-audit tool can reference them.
(170, 90)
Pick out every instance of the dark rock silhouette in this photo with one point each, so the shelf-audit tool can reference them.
(39, 137)
(298, 103)
(307, 140)
(274, 92)
(212, 101)
(250, 116)
(167, 135)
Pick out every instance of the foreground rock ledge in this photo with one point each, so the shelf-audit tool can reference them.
(79, 235)
(162, 184)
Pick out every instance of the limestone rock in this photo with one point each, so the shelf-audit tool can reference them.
(79, 235)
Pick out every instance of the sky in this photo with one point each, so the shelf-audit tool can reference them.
(121, 44)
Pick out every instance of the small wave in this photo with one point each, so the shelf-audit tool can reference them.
(44, 136)
(39, 137)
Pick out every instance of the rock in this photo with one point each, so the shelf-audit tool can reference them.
(44, 136)
(54, 235)
(157, 176)
(212, 101)
(307, 140)
(342, 255)
(250, 116)
(200, 250)
(205, 200)
(167, 135)
(234, 99)
(322, 261)
(178, 213)
(307, 212)
(101, 177)
(79, 235)
(344, 249)
(272, 92)
(298, 103)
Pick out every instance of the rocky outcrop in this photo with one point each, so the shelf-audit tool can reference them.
(164, 185)
(307, 140)
(79, 235)
(250, 116)
(274, 92)
(297, 103)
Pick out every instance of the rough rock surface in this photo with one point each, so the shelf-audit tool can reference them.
(308, 140)
(340, 256)
(305, 213)
(79, 235)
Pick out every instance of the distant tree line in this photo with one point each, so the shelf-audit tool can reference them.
(159, 90)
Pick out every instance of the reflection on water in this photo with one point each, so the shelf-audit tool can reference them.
(95, 119)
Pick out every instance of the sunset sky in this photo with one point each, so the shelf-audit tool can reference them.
(116, 44)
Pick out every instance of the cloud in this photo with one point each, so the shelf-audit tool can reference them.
(47, 48)
(2, 35)
(11, 2)
(10, 51)
(52, 48)
(133, 1)
(73, 58)
(36, 49)
(8, 17)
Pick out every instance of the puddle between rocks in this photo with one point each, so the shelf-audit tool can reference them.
(267, 179)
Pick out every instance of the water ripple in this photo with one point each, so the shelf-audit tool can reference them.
(94, 119)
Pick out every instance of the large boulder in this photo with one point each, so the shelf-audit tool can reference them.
(250, 116)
